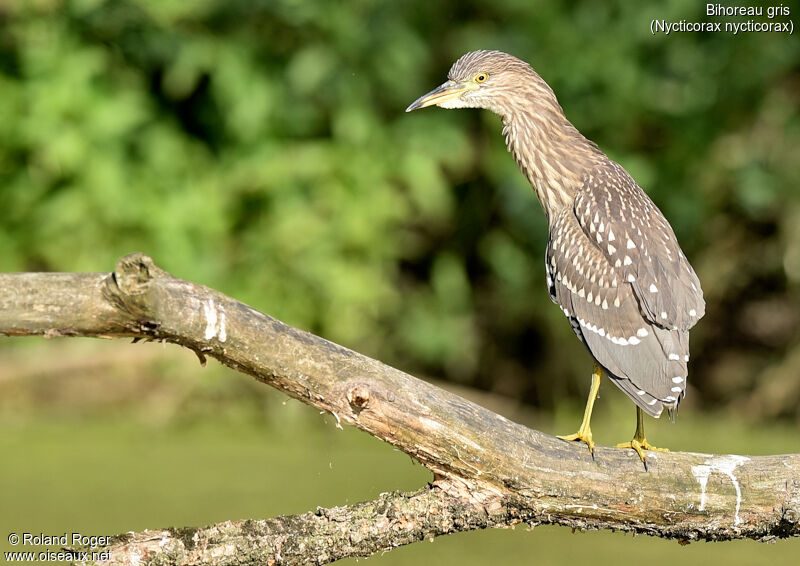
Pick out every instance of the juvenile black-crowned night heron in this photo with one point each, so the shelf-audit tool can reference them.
(613, 263)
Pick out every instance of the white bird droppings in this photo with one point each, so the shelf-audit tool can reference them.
(215, 321)
(725, 465)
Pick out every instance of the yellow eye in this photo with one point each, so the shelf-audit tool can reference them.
(481, 78)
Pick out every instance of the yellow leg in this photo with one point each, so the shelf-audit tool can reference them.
(639, 442)
(584, 433)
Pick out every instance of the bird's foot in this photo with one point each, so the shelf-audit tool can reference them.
(639, 445)
(581, 436)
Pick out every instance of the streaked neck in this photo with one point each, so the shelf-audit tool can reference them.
(548, 149)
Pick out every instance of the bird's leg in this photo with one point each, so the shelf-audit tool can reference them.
(639, 442)
(584, 433)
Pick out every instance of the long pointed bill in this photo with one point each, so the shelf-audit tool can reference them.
(441, 94)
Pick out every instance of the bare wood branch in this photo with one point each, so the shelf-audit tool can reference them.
(316, 537)
(480, 459)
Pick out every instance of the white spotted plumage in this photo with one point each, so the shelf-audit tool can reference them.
(613, 263)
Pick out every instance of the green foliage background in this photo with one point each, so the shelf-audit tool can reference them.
(261, 148)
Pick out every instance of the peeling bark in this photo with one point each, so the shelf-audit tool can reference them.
(490, 471)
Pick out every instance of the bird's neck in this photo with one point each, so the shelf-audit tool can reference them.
(549, 151)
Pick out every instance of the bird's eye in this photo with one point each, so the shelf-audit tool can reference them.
(481, 77)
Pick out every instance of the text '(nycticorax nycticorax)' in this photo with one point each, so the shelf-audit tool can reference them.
(613, 263)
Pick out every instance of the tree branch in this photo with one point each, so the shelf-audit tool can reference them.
(489, 471)
(317, 537)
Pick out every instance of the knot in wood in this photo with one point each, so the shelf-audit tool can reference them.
(358, 397)
(134, 273)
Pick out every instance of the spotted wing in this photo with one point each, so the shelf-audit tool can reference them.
(636, 239)
(643, 359)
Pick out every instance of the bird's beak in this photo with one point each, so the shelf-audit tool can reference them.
(442, 93)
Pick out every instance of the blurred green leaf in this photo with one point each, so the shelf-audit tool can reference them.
(263, 148)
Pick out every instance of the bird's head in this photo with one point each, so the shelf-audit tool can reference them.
(479, 79)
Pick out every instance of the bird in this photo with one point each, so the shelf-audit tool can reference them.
(613, 263)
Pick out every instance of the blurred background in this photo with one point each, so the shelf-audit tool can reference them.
(261, 148)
